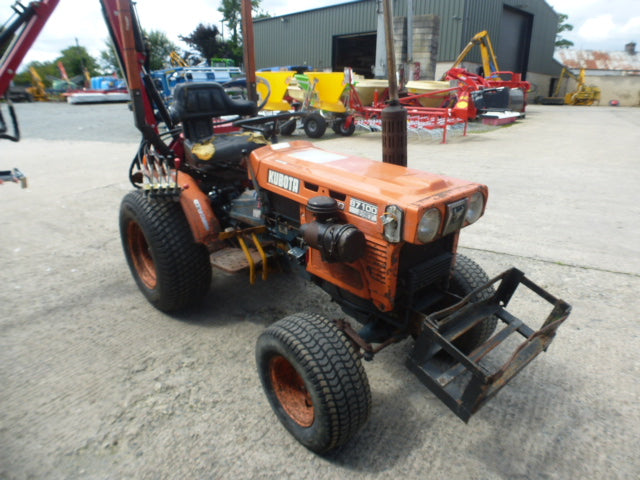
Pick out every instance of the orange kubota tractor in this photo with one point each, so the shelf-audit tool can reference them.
(380, 239)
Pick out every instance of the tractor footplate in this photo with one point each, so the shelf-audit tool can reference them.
(233, 260)
(461, 381)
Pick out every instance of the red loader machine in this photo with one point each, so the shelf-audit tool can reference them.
(379, 238)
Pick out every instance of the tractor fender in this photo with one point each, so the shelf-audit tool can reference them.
(203, 223)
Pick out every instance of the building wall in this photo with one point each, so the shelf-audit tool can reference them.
(306, 37)
(486, 14)
(425, 46)
(450, 13)
(625, 89)
(540, 85)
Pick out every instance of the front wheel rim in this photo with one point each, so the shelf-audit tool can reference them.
(141, 256)
(291, 391)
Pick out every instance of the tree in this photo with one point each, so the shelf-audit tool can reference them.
(48, 72)
(231, 11)
(160, 47)
(563, 26)
(108, 59)
(206, 40)
(75, 59)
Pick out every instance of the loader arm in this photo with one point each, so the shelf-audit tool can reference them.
(133, 56)
(489, 59)
(22, 33)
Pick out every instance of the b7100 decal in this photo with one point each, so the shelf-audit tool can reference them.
(363, 209)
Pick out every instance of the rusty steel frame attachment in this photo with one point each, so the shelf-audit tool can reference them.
(365, 349)
(466, 385)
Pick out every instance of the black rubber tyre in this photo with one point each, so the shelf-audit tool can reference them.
(314, 380)
(171, 270)
(467, 276)
(314, 125)
(288, 127)
(340, 128)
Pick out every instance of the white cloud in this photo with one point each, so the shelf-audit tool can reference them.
(632, 27)
(598, 28)
(605, 29)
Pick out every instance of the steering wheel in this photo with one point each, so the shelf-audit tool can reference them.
(242, 82)
(265, 124)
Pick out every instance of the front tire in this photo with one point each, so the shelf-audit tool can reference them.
(314, 381)
(467, 276)
(171, 270)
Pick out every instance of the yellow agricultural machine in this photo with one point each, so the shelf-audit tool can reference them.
(37, 91)
(583, 94)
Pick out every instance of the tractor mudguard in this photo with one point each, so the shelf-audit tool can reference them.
(461, 381)
(197, 209)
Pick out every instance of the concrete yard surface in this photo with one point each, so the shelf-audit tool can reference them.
(97, 384)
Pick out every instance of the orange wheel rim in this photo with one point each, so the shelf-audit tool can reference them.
(291, 391)
(141, 256)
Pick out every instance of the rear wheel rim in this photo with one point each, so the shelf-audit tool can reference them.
(141, 256)
(291, 391)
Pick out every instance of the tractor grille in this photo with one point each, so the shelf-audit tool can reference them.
(423, 265)
(375, 258)
(427, 273)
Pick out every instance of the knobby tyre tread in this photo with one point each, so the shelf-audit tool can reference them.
(333, 375)
(182, 266)
(467, 276)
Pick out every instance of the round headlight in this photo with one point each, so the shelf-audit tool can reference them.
(476, 204)
(429, 225)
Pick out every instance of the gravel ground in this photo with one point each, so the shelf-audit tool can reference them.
(95, 383)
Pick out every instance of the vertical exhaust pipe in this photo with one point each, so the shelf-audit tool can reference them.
(394, 115)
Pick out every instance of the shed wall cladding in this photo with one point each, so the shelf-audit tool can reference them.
(307, 36)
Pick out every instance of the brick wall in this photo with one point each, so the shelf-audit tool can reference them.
(426, 34)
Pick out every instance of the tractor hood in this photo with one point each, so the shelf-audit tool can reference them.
(363, 188)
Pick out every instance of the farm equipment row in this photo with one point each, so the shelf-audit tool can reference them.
(335, 99)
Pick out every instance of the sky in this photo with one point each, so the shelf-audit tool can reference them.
(598, 24)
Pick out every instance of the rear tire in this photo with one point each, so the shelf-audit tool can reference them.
(171, 270)
(314, 125)
(314, 380)
(467, 276)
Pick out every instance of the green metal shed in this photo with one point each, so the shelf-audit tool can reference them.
(523, 34)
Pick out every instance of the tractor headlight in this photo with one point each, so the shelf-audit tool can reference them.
(474, 210)
(429, 225)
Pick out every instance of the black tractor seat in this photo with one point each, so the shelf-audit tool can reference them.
(196, 104)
